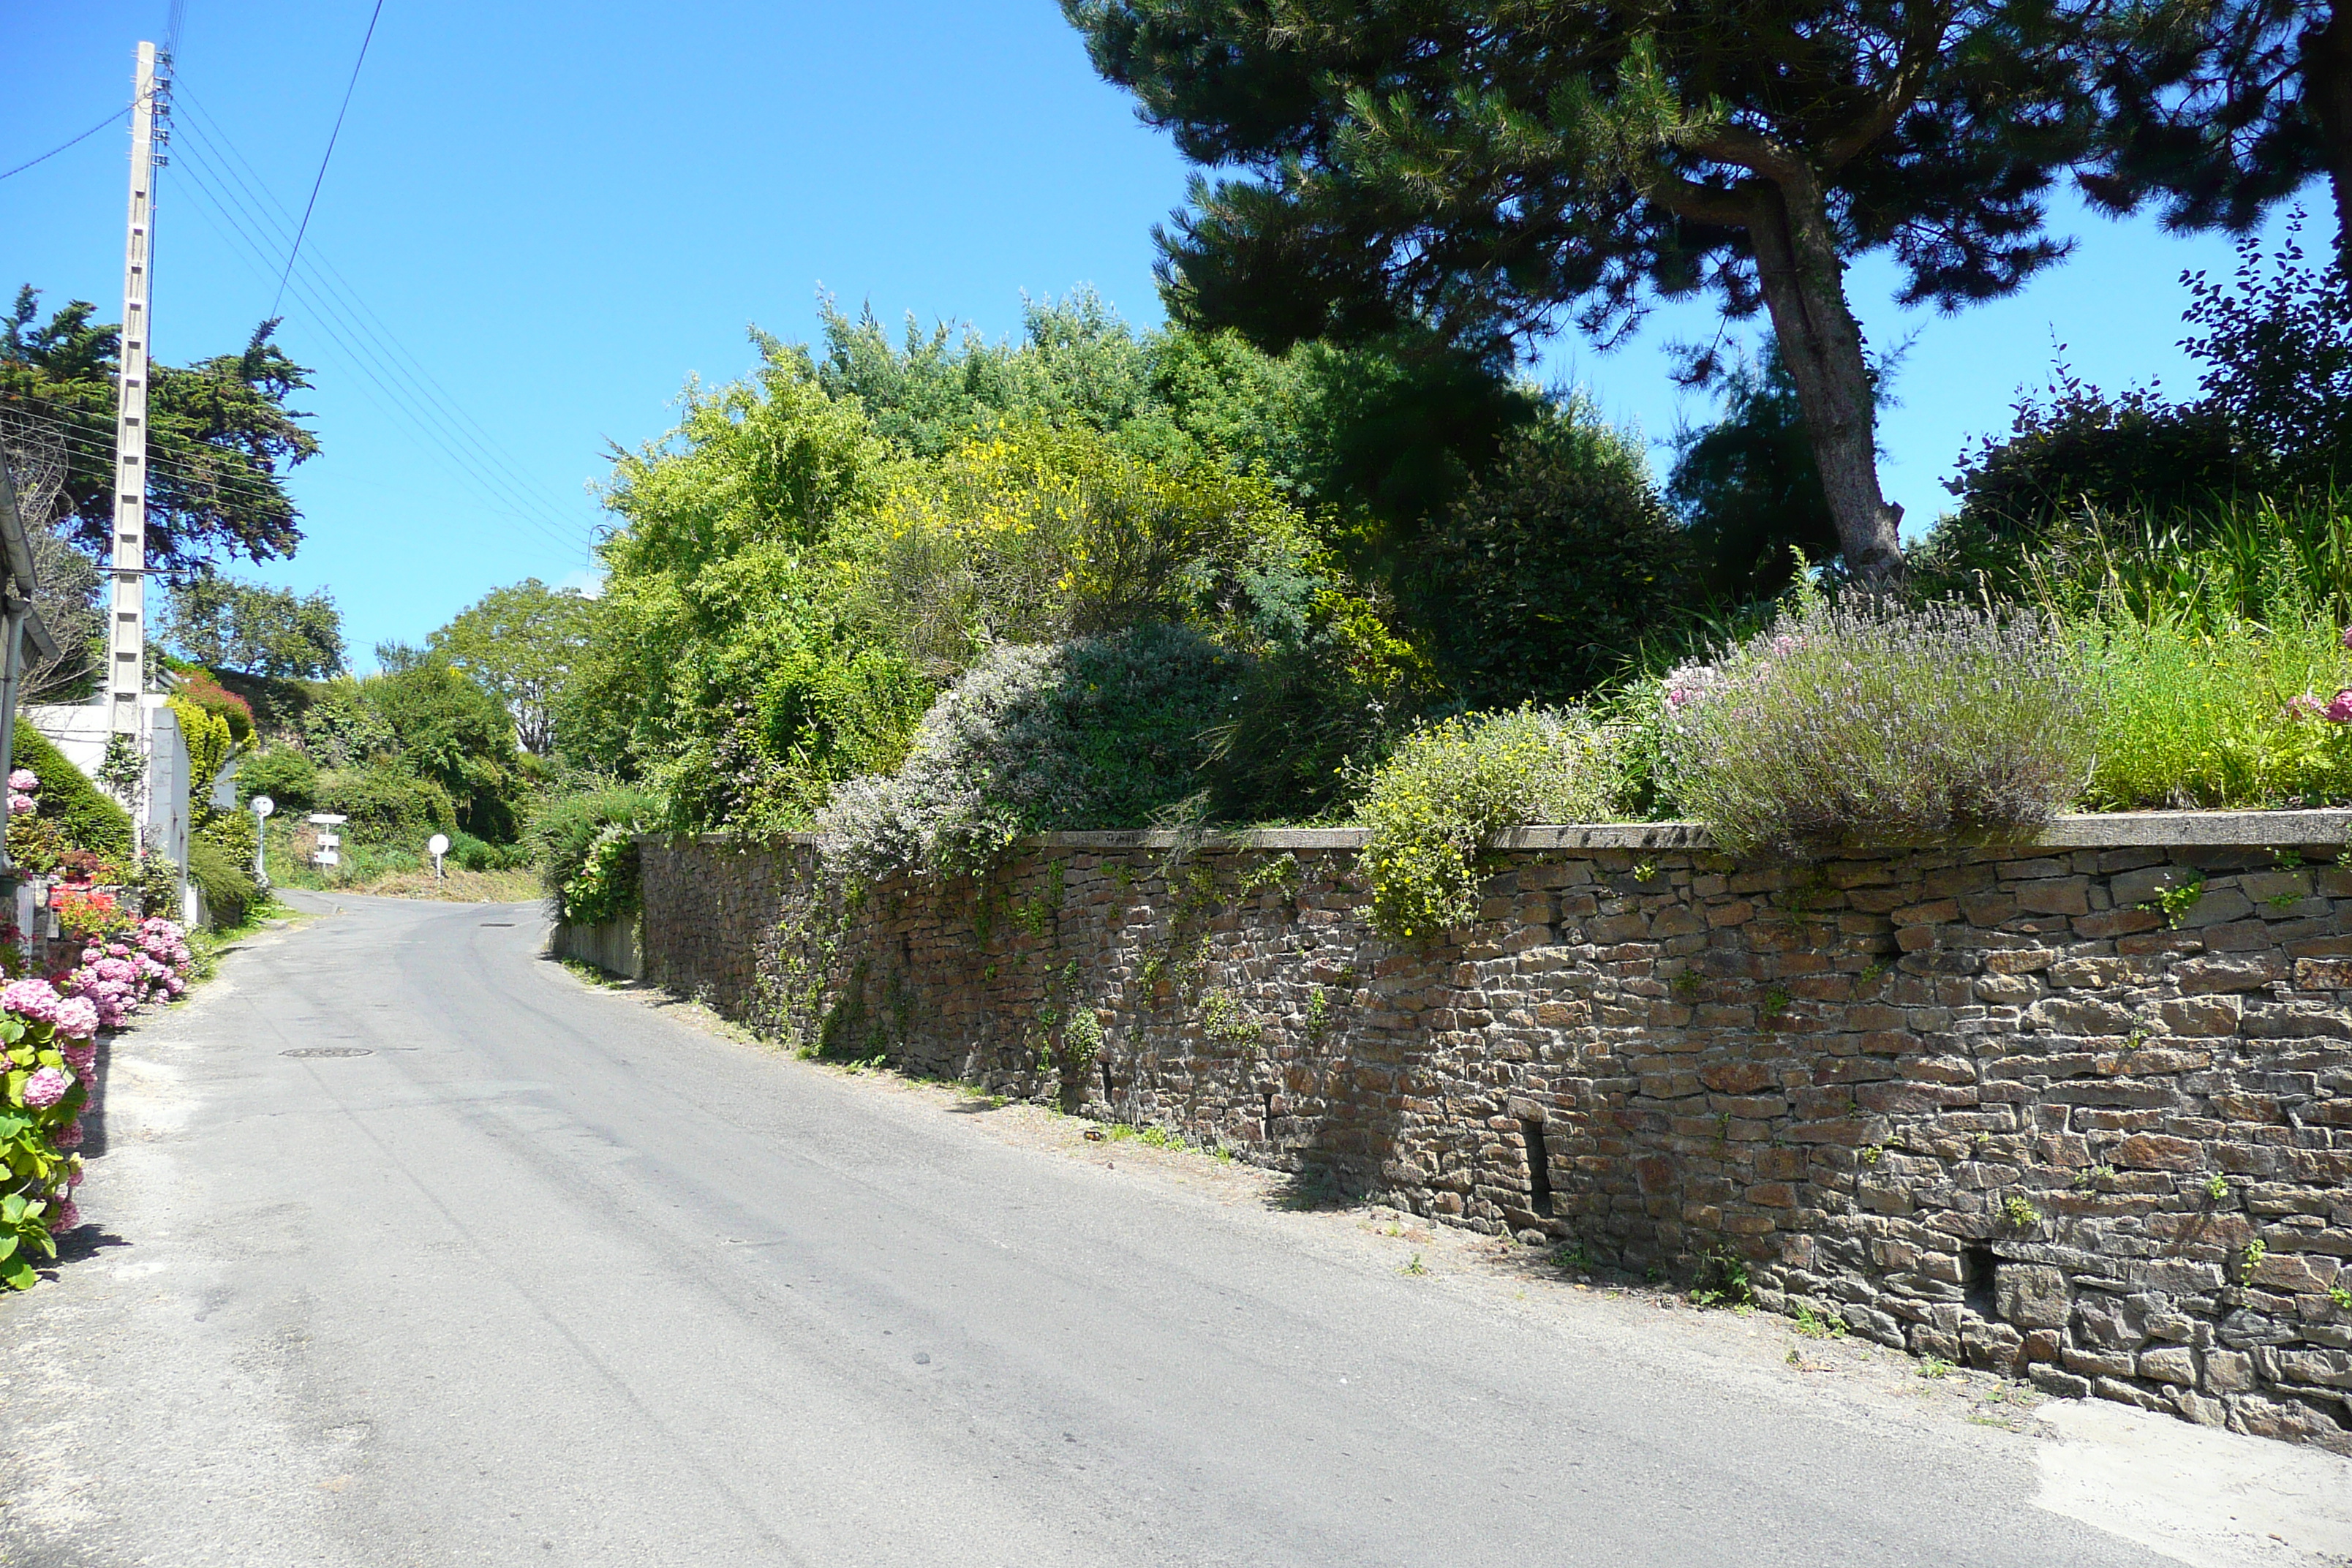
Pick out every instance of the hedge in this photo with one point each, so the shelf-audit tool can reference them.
(90, 817)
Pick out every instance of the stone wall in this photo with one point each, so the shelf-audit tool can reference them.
(2079, 1111)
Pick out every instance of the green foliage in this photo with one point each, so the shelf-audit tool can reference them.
(1545, 574)
(1722, 1282)
(386, 805)
(234, 833)
(2228, 714)
(255, 629)
(1096, 732)
(2250, 1261)
(86, 817)
(206, 735)
(228, 882)
(2019, 1214)
(285, 774)
(566, 830)
(203, 688)
(1870, 725)
(1747, 487)
(606, 886)
(220, 436)
(519, 644)
(1433, 803)
(474, 854)
(447, 730)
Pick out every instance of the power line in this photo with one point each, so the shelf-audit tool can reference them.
(362, 320)
(76, 142)
(348, 88)
(377, 354)
(430, 421)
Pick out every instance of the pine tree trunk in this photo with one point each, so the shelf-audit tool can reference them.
(1804, 288)
(2326, 62)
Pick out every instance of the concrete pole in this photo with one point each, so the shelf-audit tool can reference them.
(127, 627)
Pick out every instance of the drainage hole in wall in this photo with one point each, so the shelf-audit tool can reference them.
(1269, 1113)
(1108, 1096)
(1539, 1166)
(1977, 1293)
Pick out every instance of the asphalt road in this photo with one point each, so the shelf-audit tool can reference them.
(549, 1275)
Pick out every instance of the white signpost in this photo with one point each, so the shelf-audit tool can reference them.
(439, 844)
(262, 806)
(327, 822)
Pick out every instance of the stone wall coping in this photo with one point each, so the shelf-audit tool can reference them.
(2086, 830)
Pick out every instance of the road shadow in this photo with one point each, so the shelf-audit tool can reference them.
(80, 1245)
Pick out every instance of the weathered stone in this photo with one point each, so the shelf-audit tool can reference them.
(2032, 1296)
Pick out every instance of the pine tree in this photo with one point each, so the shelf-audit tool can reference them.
(2218, 108)
(1490, 170)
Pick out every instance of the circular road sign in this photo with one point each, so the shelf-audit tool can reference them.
(263, 805)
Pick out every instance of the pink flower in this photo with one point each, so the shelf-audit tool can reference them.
(2340, 710)
(69, 1136)
(24, 780)
(81, 1057)
(76, 1017)
(34, 999)
(18, 805)
(45, 1088)
(68, 1217)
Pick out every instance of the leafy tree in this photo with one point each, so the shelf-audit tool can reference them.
(1547, 572)
(1747, 488)
(252, 629)
(2216, 110)
(450, 730)
(519, 642)
(220, 435)
(1480, 169)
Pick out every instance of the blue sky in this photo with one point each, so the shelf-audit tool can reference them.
(554, 215)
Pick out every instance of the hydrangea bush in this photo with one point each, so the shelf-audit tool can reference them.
(47, 1049)
(121, 975)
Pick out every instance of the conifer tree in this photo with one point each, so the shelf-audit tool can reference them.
(1493, 169)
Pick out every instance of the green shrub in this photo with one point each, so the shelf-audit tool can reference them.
(286, 776)
(565, 832)
(1432, 804)
(606, 887)
(479, 855)
(1099, 733)
(228, 883)
(1547, 572)
(1867, 725)
(233, 832)
(89, 819)
(2229, 712)
(386, 806)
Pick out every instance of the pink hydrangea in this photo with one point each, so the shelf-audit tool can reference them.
(2340, 710)
(76, 1017)
(34, 999)
(24, 780)
(69, 1136)
(18, 805)
(80, 1055)
(68, 1217)
(47, 1087)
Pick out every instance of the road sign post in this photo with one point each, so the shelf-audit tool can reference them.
(439, 844)
(329, 842)
(262, 806)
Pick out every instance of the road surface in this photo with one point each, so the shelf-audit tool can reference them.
(414, 1249)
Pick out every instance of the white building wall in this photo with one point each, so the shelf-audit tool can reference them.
(80, 733)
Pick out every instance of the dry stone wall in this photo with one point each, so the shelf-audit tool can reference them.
(2080, 1111)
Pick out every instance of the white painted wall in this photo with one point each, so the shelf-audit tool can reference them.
(80, 733)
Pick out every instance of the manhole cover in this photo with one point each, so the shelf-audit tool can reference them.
(328, 1051)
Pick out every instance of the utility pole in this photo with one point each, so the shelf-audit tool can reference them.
(126, 629)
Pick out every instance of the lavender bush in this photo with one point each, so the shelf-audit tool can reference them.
(1846, 724)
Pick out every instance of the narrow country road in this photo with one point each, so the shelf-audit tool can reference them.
(419, 1251)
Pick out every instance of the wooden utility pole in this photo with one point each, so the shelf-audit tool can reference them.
(127, 628)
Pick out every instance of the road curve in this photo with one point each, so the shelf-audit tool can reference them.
(549, 1276)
